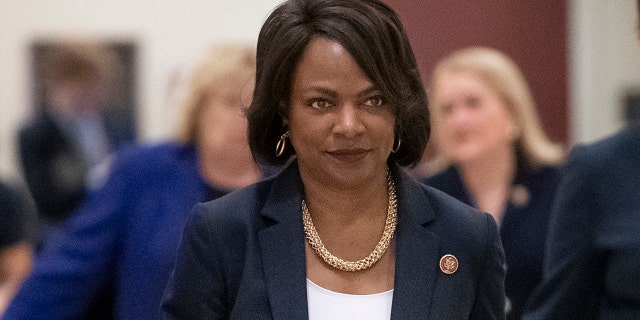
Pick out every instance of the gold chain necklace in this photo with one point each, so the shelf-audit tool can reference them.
(389, 229)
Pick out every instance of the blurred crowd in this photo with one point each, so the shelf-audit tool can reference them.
(103, 214)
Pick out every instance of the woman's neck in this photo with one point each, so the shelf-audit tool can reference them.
(489, 180)
(348, 203)
(233, 172)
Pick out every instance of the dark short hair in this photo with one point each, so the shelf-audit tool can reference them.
(372, 33)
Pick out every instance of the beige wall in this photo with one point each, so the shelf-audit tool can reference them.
(604, 62)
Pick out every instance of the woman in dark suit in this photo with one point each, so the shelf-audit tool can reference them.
(493, 155)
(593, 249)
(592, 255)
(342, 232)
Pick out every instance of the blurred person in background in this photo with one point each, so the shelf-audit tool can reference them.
(71, 132)
(128, 230)
(491, 153)
(17, 217)
(593, 248)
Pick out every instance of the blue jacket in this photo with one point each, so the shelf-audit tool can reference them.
(592, 263)
(128, 231)
(523, 228)
(243, 256)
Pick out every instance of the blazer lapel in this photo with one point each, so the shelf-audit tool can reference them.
(282, 248)
(416, 253)
(283, 253)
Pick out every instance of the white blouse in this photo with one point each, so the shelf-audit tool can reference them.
(326, 304)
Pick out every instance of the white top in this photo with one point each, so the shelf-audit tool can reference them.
(326, 304)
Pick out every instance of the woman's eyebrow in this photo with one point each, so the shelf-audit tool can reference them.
(368, 91)
(322, 90)
(333, 94)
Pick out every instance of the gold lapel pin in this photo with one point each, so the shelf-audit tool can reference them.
(448, 264)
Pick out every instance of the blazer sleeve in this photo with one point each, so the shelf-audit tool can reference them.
(53, 170)
(77, 259)
(571, 263)
(490, 298)
(195, 290)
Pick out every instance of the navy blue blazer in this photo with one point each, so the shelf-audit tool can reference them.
(243, 256)
(523, 228)
(126, 233)
(592, 262)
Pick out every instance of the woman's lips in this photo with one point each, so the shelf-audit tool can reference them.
(349, 155)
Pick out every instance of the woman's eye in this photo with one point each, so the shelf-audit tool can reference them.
(473, 102)
(319, 104)
(375, 102)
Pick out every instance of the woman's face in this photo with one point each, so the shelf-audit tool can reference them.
(340, 124)
(470, 122)
(223, 126)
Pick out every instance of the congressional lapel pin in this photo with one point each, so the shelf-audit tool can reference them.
(448, 264)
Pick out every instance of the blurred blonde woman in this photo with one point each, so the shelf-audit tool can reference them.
(491, 153)
(129, 229)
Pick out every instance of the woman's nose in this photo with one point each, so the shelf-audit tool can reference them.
(349, 121)
(459, 115)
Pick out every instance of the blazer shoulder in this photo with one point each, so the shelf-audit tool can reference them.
(444, 177)
(153, 159)
(240, 207)
(470, 234)
(40, 129)
(599, 158)
(445, 203)
(454, 217)
(623, 143)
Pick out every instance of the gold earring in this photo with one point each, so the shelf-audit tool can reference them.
(282, 142)
(394, 150)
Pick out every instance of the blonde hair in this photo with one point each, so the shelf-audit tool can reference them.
(224, 67)
(503, 76)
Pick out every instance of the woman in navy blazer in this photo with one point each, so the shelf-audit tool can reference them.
(342, 232)
(593, 248)
(592, 253)
(491, 153)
